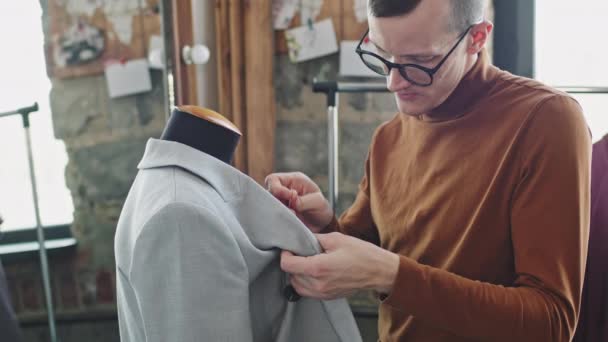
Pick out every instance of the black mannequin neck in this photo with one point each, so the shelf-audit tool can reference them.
(202, 134)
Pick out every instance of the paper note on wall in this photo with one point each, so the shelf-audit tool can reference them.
(360, 8)
(311, 41)
(156, 55)
(131, 77)
(310, 9)
(283, 12)
(350, 62)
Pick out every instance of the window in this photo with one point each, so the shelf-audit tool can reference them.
(23, 82)
(571, 51)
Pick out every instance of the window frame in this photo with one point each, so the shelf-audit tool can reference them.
(56, 233)
(515, 22)
(514, 38)
(57, 237)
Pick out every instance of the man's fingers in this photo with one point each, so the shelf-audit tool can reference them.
(272, 181)
(281, 178)
(308, 202)
(281, 186)
(277, 189)
(293, 180)
(293, 264)
(302, 287)
(305, 288)
(329, 241)
(293, 199)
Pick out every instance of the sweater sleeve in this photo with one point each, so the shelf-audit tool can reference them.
(357, 221)
(549, 231)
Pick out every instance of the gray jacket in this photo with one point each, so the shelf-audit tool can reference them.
(197, 254)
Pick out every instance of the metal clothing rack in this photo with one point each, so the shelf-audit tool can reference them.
(44, 265)
(584, 90)
(331, 89)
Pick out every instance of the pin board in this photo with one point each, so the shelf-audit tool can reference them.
(347, 21)
(85, 35)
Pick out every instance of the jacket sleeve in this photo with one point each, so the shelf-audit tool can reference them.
(190, 278)
(549, 231)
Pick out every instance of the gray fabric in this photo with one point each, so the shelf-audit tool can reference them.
(9, 328)
(197, 253)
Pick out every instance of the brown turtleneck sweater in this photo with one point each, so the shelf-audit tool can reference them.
(488, 208)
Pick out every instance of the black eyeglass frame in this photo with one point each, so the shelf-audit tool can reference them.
(402, 67)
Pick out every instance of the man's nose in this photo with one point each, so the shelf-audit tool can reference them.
(396, 82)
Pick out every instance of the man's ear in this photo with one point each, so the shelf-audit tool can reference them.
(480, 33)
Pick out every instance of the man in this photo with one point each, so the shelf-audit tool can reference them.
(472, 217)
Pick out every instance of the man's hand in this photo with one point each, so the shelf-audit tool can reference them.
(348, 265)
(303, 196)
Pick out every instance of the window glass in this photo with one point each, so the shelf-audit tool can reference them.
(571, 51)
(23, 82)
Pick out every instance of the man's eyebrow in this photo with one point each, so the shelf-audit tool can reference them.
(409, 55)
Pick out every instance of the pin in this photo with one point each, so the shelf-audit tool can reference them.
(310, 24)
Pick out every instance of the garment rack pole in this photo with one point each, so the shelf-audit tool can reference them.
(44, 265)
(331, 89)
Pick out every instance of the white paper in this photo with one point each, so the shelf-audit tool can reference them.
(128, 78)
(283, 12)
(155, 52)
(310, 9)
(360, 8)
(350, 62)
(305, 43)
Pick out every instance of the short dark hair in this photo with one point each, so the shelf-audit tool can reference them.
(464, 12)
(391, 8)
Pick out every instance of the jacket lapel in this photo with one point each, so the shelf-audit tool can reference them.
(222, 177)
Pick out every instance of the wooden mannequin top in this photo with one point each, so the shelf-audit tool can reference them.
(204, 130)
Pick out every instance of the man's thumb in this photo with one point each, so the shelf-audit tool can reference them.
(329, 241)
(308, 202)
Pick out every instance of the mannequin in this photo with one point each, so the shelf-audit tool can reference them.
(198, 246)
(204, 130)
(214, 135)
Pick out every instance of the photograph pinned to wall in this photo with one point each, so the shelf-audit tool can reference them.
(311, 41)
(84, 35)
(79, 44)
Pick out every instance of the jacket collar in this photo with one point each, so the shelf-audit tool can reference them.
(224, 178)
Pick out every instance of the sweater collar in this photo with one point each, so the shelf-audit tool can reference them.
(475, 83)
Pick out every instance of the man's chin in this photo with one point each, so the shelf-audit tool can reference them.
(414, 106)
(410, 109)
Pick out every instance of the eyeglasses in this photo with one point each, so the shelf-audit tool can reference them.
(413, 73)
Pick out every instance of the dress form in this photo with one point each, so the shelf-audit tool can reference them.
(204, 130)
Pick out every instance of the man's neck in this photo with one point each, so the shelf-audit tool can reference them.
(451, 103)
